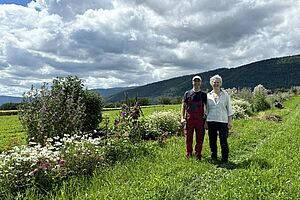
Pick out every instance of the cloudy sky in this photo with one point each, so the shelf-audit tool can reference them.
(113, 43)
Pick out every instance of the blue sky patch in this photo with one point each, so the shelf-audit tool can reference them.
(17, 2)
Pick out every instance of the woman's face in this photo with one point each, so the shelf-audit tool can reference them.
(216, 83)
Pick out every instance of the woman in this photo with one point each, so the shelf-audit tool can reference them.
(219, 118)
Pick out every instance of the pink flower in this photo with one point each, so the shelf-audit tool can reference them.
(39, 161)
(47, 165)
(61, 162)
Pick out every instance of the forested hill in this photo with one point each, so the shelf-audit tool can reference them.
(273, 73)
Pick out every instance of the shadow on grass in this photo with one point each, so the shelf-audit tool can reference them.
(246, 164)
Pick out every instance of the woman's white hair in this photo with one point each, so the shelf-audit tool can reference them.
(215, 77)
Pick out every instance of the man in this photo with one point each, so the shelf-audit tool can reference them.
(192, 116)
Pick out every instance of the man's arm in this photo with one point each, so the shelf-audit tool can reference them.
(183, 112)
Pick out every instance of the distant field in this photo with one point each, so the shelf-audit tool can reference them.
(12, 133)
(113, 114)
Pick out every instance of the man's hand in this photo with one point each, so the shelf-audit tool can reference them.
(183, 121)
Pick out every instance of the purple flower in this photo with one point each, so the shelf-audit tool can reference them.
(46, 165)
(124, 113)
(61, 162)
(39, 161)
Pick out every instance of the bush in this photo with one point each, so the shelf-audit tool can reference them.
(23, 167)
(143, 101)
(294, 90)
(259, 102)
(244, 93)
(164, 100)
(241, 108)
(65, 109)
(93, 110)
(45, 167)
(158, 123)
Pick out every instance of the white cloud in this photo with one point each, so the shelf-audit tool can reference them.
(112, 43)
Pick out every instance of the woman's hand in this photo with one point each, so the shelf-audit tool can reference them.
(230, 125)
(205, 125)
(230, 122)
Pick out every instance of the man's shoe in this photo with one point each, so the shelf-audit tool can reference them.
(214, 160)
(223, 164)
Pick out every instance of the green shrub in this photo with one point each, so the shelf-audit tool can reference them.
(158, 123)
(241, 108)
(164, 100)
(65, 109)
(93, 110)
(259, 102)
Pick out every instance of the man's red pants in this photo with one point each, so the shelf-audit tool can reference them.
(198, 126)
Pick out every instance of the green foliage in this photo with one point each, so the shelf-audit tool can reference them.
(244, 93)
(143, 101)
(48, 113)
(65, 109)
(260, 102)
(93, 110)
(24, 166)
(158, 123)
(294, 90)
(241, 108)
(9, 106)
(164, 100)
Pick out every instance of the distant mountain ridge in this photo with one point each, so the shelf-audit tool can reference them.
(273, 73)
(9, 99)
(111, 91)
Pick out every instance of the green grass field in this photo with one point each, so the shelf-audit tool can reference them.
(264, 164)
(113, 114)
(12, 133)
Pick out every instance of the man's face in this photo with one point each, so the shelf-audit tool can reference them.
(196, 83)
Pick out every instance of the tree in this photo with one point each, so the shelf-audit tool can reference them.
(164, 100)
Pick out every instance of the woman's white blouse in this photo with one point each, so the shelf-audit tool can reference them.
(218, 110)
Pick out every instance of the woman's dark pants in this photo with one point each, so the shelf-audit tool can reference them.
(213, 129)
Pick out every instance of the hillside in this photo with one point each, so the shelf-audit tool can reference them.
(9, 99)
(110, 91)
(273, 73)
